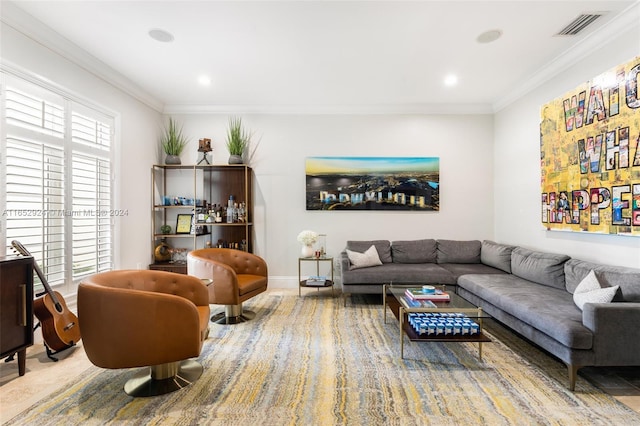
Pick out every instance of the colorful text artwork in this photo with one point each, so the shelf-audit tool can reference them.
(590, 156)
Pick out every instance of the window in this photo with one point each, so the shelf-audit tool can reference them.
(57, 176)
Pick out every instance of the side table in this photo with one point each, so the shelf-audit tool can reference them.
(317, 285)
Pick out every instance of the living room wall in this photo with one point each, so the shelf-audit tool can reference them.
(517, 164)
(463, 143)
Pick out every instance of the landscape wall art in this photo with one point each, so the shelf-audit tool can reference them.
(373, 183)
(590, 155)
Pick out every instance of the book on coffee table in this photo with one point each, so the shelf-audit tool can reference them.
(414, 303)
(418, 294)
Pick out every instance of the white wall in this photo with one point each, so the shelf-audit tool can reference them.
(517, 166)
(136, 140)
(463, 143)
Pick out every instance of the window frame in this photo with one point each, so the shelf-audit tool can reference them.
(73, 105)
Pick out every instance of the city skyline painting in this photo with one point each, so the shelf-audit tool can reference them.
(373, 183)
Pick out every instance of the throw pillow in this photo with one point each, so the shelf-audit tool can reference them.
(364, 260)
(590, 291)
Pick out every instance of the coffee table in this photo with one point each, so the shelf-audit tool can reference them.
(394, 297)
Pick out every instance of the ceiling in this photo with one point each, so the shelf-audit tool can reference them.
(324, 56)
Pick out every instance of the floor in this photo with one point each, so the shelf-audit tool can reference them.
(45, 376)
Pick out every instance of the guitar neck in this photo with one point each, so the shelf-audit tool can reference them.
(23, 251)
(46, 285)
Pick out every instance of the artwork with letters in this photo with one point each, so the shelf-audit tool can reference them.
(590, 155)
(373, 183)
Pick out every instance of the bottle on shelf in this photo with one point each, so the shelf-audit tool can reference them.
(242, 213)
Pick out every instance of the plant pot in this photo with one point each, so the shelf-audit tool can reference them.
(172, 159)
(235, 159)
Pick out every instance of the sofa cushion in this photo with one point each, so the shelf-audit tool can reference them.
(363, 260)
(458, 269)
(539, 267)
(417, 251)
(628, 279)
(547, 309)
(591, 291)
(399, 273)
(382, 246)
(450, 251)
(496, 255)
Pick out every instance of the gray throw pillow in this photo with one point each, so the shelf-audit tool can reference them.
(450, 251)
(496, 255)
(382, 246)
(417, 251)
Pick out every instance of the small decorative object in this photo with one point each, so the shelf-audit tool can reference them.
(307, 239)
(165, 229)
(179, 255)
(428, 289)
(204, 146)
(173, 142)
(162, 252)
(237, 140)
(183, 223)
(322, 238)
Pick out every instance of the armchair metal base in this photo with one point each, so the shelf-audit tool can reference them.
(233, 314)
(164, 378)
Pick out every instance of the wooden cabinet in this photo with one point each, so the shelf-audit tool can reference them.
(181, 196)
(16, 307)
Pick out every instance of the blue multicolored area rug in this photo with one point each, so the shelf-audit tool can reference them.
(311, 361)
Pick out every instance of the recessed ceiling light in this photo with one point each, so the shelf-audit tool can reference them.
(204, 80)
(161, 35)
(489, 36)
(450, 80)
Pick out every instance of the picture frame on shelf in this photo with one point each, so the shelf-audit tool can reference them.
(183, 223)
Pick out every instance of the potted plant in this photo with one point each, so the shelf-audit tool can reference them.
(173, 142)
(238, 140)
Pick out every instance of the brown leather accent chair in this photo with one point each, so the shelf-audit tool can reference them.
(145, 318)
(237, 276)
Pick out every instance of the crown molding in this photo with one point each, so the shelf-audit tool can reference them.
(26, 24)
(409, 109)
(628, 20)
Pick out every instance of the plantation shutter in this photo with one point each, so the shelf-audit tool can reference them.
(57, 178)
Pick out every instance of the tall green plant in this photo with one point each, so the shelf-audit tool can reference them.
(173, 140)
(237, 137)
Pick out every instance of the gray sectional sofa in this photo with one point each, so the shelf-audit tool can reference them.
(531, 292)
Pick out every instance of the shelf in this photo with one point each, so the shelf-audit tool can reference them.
(225, 223)
(206, 183)
(180, 235)
(327, 283)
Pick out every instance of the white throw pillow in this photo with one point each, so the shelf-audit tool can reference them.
(364, 260)
(590, 291)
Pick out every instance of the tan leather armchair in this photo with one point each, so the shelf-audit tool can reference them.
(237, 276)
(140, 318)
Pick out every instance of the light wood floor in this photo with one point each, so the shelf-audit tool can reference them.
(45, 376)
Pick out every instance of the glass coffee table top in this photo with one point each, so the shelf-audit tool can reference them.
(455, 302)
(456, 311)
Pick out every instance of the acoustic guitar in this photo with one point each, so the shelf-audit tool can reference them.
(60, 328)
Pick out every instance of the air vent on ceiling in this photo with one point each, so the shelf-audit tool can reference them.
(580, 23)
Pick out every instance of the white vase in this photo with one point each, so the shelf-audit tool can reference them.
(307, 251)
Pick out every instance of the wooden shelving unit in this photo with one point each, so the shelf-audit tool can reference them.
(184, 189)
